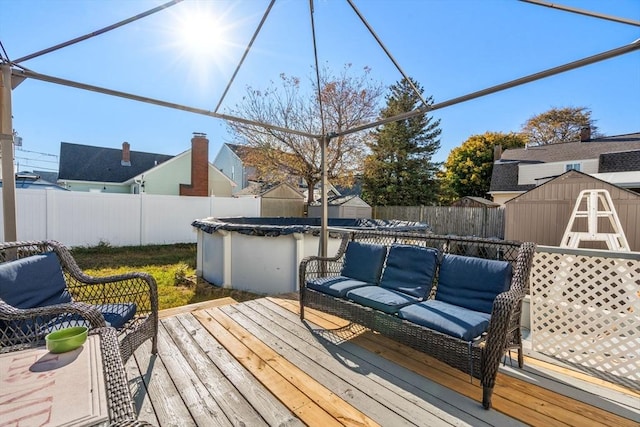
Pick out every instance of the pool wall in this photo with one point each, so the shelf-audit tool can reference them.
(264, 265)
(262, 255)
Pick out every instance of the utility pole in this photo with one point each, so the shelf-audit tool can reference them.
(6, 144)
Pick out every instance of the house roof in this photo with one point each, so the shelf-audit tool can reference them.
(504, 177)
(614, 153)
(619, 162)
(80, 162)
(591, 149)
(239, 150)
(33, 181)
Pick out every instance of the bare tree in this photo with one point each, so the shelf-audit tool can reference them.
(348, 101)
(558, 125)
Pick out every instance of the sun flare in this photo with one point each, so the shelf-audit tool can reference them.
(201, 34)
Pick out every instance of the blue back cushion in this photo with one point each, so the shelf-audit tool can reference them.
(410, 269)
(364, 261)
(471, 282)
(34, 281)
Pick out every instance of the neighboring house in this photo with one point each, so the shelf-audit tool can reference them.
(108, 170)
(33, 181)
(342, 207)
(230, 161)
(279, 200)
(614, 159)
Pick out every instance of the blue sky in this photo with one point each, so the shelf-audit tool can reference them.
(450, 47)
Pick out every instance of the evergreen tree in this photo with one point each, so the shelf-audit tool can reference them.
(399, 170)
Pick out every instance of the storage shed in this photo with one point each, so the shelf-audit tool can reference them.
(276, 200)
(475, 202)
(342, 207)
(542, 214)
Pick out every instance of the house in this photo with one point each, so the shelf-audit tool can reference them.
(233, 161)
(542, 214)
(230, 160)
(614, 159)
(339, 206)
(33, 181)
(276, 200)
(100, 169)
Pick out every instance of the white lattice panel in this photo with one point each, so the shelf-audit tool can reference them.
(585, 310)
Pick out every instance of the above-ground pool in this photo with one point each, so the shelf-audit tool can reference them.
(262, 255)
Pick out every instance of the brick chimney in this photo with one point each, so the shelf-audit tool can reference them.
(585, 134)
(126, 154)
(497, 152)
(199, 167)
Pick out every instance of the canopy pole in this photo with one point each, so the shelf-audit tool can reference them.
(6, 144)
(324, 221)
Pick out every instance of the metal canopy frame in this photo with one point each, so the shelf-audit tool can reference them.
(13, 73)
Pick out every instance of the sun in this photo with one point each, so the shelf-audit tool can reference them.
(201, 33)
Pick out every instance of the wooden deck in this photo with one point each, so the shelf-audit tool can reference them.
(256, 363)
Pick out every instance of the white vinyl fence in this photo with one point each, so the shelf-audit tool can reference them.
(86, 219)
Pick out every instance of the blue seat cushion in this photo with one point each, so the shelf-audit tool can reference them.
(364, 262)
(34, 281)
(336, 286)
(379, 298)
(410, 269)
(116, 315)
(472, 283)
(453, 320)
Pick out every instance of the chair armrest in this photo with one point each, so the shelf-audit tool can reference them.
(316, 266)
(29, 326)
(502, 318)
(133, 287)
(87, 311)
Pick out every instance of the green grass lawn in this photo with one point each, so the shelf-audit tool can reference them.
(173, 267)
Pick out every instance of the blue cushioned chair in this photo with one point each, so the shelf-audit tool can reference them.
(43, 289)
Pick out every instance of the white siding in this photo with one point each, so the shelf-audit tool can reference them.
(530, 174)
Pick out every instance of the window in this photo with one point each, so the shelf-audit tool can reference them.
(572, 167)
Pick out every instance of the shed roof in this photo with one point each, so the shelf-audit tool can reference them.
(480, 200)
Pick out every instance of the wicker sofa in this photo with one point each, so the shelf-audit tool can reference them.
(42, 289)
(457, 299)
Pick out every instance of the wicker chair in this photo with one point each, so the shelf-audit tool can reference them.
(23, 327)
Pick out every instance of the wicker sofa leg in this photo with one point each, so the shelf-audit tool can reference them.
(520, 357)
(487, 392)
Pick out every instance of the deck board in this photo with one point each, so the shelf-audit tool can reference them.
(256, 363)
(384, 382)
(335, 373)
(528, 402)
(269, 407)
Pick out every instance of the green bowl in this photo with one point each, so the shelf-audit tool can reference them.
(66, 339)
